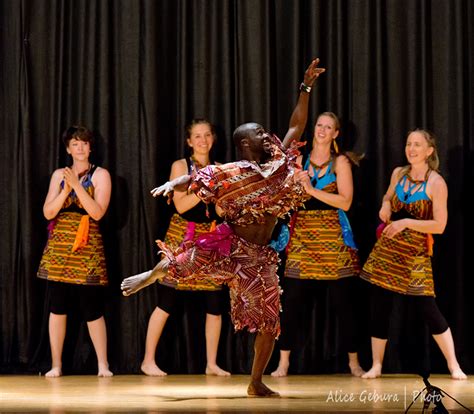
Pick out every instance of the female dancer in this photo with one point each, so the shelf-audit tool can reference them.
(413, 208)
(192, 219)
(322, 253)
(73, 260)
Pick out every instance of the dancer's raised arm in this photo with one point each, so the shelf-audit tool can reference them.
(299, 116)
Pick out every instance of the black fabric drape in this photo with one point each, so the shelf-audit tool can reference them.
(136, 71)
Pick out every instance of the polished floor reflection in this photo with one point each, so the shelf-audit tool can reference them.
(203, 394)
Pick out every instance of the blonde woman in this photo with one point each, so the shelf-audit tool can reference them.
(413, 208)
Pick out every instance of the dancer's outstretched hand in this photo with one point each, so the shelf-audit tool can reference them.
(167, 188)
(312, 72)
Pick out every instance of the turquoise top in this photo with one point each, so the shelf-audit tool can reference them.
(413, 193)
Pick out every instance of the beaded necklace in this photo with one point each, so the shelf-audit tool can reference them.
(197, 164)
(414, 185)
(317, 169)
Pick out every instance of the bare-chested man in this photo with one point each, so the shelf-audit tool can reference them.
(250, 195)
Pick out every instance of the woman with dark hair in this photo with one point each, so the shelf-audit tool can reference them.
(73, 260)
(321, 254)
(413, 208)
(192, 218)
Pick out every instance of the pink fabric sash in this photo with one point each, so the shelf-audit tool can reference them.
(218, 240)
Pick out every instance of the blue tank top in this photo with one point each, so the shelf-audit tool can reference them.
(412, 202)
(416, 190)
(325, 183)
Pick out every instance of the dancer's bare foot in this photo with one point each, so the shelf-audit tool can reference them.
(54, 372)
(356, 370)
(259, 389)
(457, 373)
(133, 284)
(281, 371)
(374, 372)
(104, 371)
(152, 370)
(214, 369)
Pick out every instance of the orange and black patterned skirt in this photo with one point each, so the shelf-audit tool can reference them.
(86, 265)
(317, 250)
(178, 231)
(401, 264)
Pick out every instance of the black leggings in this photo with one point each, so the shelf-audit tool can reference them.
(381, 309)
(214, 299)
(66, 296)
(297, 294)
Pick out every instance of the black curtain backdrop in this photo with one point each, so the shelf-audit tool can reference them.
(135, 71)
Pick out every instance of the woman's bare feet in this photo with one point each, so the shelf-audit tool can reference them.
(354, 366)
(281, 371)
(259, 389)
(104, 371)
(133, 284)
(457, 373)
(356, 370)
(54, 372)
(152, 370)
(374, 372)
(216, 370)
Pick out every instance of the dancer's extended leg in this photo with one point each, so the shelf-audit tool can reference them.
(133, 284)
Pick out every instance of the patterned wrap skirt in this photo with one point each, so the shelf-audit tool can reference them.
(317, 250)
(401, 264)
(86, 265)
(178, 231)
(250, 271)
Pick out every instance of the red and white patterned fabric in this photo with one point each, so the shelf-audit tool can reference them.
(247, 193)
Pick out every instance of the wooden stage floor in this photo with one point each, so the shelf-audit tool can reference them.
(206, 394)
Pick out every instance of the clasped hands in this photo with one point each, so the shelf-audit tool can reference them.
(71, 180)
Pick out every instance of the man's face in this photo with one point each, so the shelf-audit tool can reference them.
(258, 139)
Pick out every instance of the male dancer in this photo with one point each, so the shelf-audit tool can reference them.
(250, 195)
